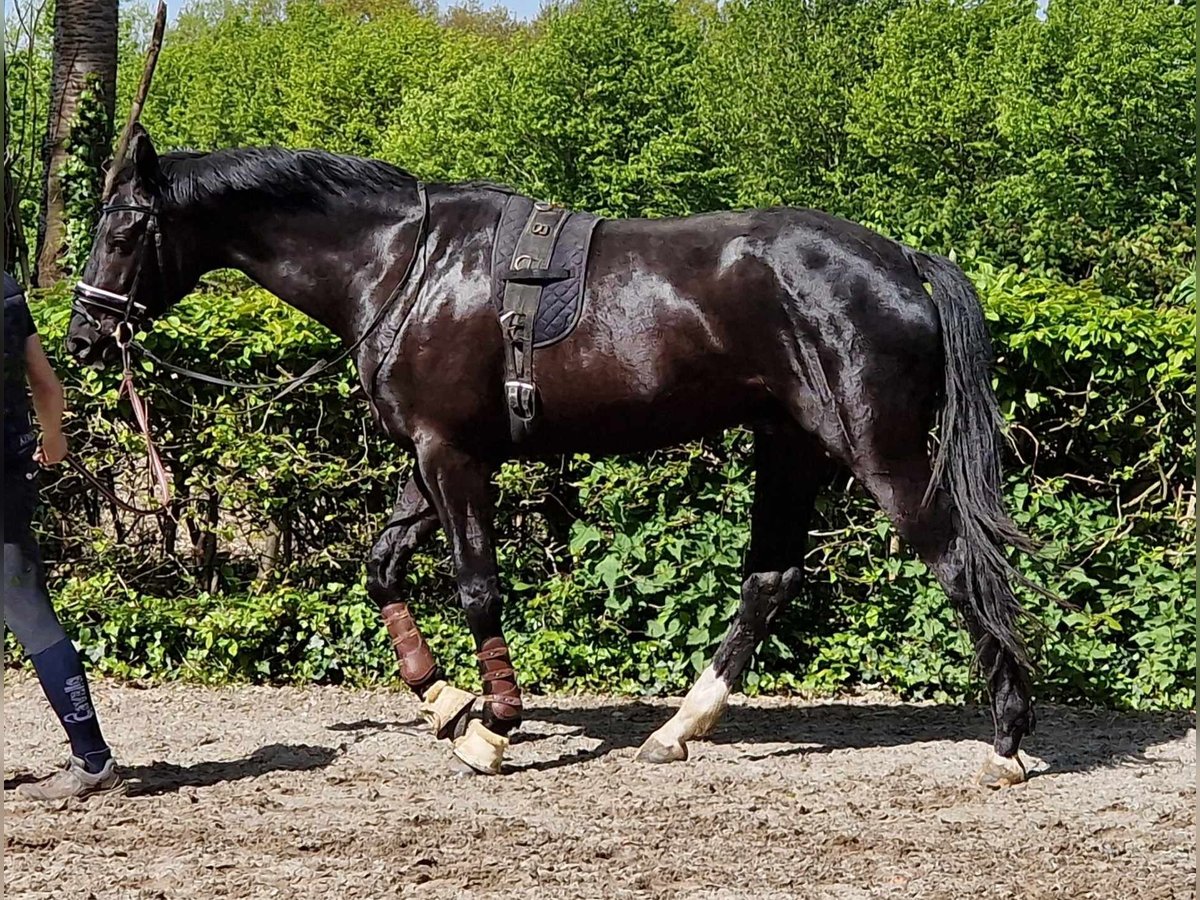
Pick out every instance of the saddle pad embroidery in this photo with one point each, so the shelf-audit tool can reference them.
(561, 303)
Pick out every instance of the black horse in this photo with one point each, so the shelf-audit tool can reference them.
(817, 333)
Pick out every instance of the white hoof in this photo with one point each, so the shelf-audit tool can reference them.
(654, 751)
(1001, 771)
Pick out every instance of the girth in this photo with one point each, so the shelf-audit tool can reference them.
(542, 286)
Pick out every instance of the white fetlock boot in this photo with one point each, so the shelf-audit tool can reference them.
(481, 749)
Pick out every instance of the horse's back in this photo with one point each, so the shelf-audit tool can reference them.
(693, 324)
(734, 273)
(696, 323)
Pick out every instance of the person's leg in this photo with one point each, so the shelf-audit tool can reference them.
(29, 615)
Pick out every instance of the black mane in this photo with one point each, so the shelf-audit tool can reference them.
(295, 179)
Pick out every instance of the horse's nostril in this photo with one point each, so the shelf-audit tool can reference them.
(78, 346)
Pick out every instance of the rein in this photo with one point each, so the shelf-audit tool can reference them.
(141, 412)
(100, 486)
(88, 297)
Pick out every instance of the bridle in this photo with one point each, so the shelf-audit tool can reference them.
(89, 298)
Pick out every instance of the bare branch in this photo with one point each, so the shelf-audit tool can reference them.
(139, 98)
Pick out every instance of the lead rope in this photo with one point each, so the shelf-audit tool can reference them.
(157, 471)
(141, 411)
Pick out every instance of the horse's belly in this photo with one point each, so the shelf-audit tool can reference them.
(616, 411)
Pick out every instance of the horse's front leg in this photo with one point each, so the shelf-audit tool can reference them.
(460, 487)
(412, 523)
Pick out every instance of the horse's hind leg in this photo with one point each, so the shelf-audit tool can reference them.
(412, 523)
(934, 531)
(789, 470)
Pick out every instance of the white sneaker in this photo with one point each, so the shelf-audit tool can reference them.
(73, 780)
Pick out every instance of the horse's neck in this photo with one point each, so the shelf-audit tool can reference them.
(328, 273)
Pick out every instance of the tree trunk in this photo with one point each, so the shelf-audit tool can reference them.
(16, 253)
(274, 550)
(83, 87)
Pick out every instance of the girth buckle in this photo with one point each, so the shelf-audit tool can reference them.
(513, 320)
(522, 398)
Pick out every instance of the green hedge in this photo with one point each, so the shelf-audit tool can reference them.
(1064, 145)
(622, 573)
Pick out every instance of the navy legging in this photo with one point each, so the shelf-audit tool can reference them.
(30, 616)
(27, 610)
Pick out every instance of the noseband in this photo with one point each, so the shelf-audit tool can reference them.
(89, 298)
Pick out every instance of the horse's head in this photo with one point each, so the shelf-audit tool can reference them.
(128, 278)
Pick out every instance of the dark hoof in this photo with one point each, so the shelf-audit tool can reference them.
(460, 769)
(654, 752)
(456, 727)
(1001, 772)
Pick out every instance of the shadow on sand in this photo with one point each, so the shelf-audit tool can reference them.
(1069, 740)
(165, 778)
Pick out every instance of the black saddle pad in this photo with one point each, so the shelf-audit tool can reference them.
(561, 303)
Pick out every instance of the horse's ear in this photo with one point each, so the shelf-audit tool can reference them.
(144, 156)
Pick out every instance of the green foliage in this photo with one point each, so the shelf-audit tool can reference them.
(1094, 108)
(1063, 145)
(623, 573)
(28, 33)
(1066, 146)
(600, 113)
(773, 89)
(81, 174)
(1056, 156)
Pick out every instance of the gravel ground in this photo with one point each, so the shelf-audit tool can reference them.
(326, 792)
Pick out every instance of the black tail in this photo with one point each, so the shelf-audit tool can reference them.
(967, 465)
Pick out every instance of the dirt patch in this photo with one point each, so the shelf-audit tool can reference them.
(324, 792)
